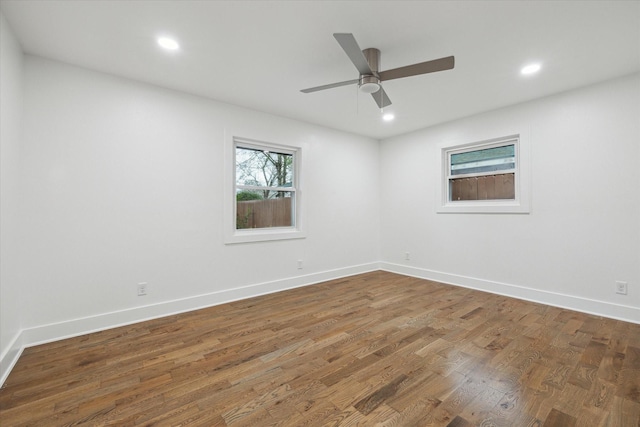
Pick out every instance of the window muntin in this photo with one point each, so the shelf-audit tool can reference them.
(265, 186)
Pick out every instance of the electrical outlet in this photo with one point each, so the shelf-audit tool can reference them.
(407, 256)
(142, 289)
(621, 287)
(299, 264)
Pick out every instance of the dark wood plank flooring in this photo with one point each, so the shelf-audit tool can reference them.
(373, 349)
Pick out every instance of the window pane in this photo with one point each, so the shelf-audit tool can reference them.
(489, 187)
(263, 168)
(486, 160)
(264, 209)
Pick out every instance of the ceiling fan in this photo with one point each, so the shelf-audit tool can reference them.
(367, 62)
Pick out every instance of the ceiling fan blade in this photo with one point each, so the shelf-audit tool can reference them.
(381, 98)
(353, 51)
(420, 68)
(329, 86)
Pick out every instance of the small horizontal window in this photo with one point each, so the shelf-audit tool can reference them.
(484, 177)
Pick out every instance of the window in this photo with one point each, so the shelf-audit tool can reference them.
(266, 194)
(484, 177)
(483, 174)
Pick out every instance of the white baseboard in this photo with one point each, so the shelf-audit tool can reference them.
(74, 327)
(10, 356)
(570, 302)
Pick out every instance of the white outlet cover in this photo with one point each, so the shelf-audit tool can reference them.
(621, 288)
(142, 288)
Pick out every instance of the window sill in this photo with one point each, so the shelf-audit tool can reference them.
(263, 235)
(492, 207)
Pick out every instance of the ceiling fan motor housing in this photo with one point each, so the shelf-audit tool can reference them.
(371, 83)
(373, 58)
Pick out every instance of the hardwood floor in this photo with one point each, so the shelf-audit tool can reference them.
(373, 349)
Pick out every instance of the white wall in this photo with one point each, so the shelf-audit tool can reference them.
(11, 70)
(123, 183)
(583, 232)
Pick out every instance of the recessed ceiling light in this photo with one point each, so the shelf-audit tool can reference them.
(388, 117)
(168, 43)
(530, 69)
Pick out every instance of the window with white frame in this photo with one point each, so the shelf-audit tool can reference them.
(484, 177)
(266, 194)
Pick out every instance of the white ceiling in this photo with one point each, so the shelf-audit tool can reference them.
(259, 54)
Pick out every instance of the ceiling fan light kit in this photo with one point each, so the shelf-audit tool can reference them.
(367, 63)
(369, 84)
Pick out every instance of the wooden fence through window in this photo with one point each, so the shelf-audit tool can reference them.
(489, 187)
(264, 213)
